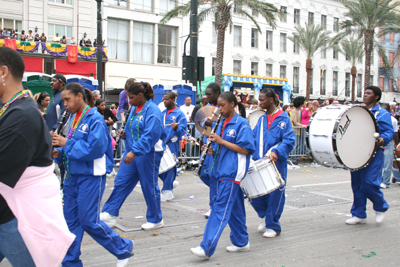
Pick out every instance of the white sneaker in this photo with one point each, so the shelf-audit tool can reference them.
(207, 214)
(108, 219)
(270, 233)
(151, 226)
(234, 248)
(175, 184)
(379, 217)
(166, 195)
(117, 164)
(199, 252)
(383, 186)
(122, 263)
(262, 228)
(355, 220)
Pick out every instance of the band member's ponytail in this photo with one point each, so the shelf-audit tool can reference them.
(141, 87)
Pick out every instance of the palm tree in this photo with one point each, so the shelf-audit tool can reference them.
(365, 17)
(222, 11)
(354, 51)
(310, 39)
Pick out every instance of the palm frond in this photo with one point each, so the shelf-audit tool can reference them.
(176, 12)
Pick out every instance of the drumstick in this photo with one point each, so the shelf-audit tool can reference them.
(171, 124)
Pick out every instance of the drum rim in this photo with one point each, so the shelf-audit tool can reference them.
(334, 144)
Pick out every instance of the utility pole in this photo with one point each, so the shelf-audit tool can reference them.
(99, 45)
(193, 41)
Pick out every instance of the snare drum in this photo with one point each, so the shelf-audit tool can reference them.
(262, 178)
(168, 161)
(342, 136)
(254, 116)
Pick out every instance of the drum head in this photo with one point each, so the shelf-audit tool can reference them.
(254, 117)
(355, 142)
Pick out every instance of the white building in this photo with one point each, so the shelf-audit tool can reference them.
(139, 46)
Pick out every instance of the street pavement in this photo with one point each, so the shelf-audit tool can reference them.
(314, 233)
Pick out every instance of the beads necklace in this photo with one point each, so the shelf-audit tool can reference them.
(137, 116)
(17, 96)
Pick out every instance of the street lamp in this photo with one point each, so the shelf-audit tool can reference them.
(36, 29)
(84, 35)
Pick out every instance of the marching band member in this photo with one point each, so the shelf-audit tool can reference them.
(213, 91)
(177, 123)
(142, 157)
(274, 133)
(87, 156)
(366, 182)
(231, 149)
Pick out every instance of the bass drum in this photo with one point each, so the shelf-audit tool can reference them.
(254, 116)
(342, 136)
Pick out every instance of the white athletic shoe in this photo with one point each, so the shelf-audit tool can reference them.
(262, 228)
(207, 214)
(175, 184)
(383, 186)
(270, 233)
(234, 248)
(355, 220)
(122, 263)
(199, 252)
(152, 226)
(379, 217)
(166, 195)
(108, 219)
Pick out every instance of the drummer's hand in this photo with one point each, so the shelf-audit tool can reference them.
(273, 156)
(380, 141)
(174, 126)
(129, 158)
(216, 138)
(209, 123)
(55, 153)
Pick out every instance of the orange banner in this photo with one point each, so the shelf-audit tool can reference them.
(11, 43)
(72, 53)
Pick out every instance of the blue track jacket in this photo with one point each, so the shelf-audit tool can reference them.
(90, 150)
(174, 116)
(384, 124)
(230, 165)
(56, 103)
(151, 130)
(280, 132)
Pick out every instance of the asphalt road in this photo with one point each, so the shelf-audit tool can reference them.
(314, 233)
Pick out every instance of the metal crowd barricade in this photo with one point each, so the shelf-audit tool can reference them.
(300, 147)
(113, 132)
(189, 150)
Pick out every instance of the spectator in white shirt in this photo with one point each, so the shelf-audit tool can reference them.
(187, 109)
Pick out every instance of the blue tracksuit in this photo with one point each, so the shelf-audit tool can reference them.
(172, 139)
(88, 157)
(229, 169)
(143, 135)
(366, 182)
(280, 132)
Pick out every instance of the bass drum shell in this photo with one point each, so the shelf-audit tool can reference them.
(342, 136)
(254, 116)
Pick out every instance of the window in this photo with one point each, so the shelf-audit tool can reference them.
(283, 42)
(282, 72)
(359, 84)
(391, 55)
(323, 52)
(117, 39)
(144, 5)
(297, 16)
(143, 42)
(254, 68)
(237, 35)
(268, 71)
(296, 79)
(311, 81)
(166, 45)
(68, 2)
(284, 13)
(310, 18)
(254, 13)
(347, 85)
(213, 66)
(237, 7)
(381, 82)
(392, 37)
(296, 47)
(10, 24)
(335, 83)
(237, 66)
(323, 21)
(214, 33)
(269, 40)
(62, 30)
(335, 24)
(322, 83)
(122, 3)
(335, 54)
(254, 38)
(166, 5)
